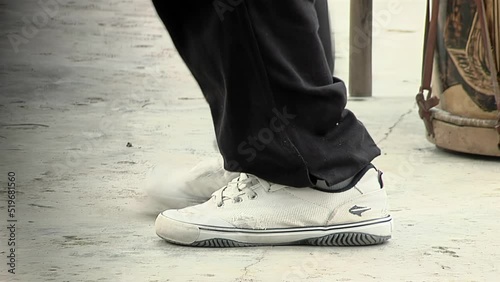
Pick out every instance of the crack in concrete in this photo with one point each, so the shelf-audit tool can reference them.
(259, 259)
(24, 125)
(391, 129)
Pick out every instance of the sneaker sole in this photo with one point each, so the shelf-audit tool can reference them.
(365, 233)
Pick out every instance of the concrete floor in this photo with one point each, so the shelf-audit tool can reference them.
(99, 74)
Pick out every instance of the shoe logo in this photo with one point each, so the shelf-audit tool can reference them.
(358, 210)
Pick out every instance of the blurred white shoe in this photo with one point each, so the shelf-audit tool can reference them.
(171, 187)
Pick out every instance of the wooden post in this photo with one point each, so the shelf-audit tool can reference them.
(360, 54)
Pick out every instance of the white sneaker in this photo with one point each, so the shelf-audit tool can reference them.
(170, 187)
(250, 211)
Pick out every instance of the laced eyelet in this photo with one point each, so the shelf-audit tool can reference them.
(237, 200)
(220, 204)
(253, 197)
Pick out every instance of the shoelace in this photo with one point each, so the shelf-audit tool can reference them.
(243, 185)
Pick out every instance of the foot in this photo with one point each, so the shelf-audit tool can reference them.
(169, 187)
(250, 211)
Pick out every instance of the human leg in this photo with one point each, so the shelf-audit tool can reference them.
(280, 116)
(277, 111)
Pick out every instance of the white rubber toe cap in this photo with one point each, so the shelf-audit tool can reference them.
(195, 217)
(175, 231)
(183, 226)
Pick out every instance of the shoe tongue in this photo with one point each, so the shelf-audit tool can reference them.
(252, 180)
(243, 176)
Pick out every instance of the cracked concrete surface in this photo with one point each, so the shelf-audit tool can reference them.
(390, 129)
(246, 269)
(101, 74)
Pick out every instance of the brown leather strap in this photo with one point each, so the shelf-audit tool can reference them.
(430, 44)
(426, 104)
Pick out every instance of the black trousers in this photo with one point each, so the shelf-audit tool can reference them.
(263, 68)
